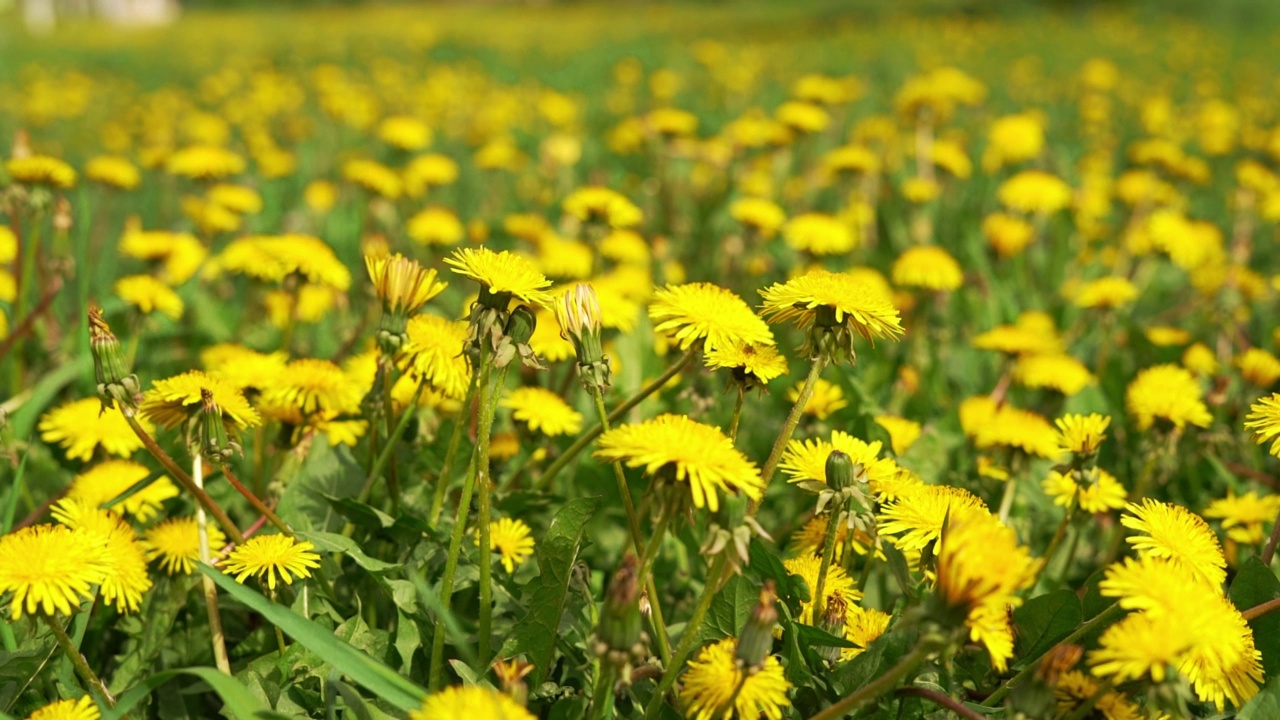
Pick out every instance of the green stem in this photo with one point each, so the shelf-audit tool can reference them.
(488, 404)
(217, 637)
(82, 666)
(1006, 498)
(393, 479)
(793, 419)
(590, 435)
(692, 630)
(602, 698)
(737, 413)
(828, 554)
(880, 685)
(455, 439)
(1057, 538)
(387, 451)
(446, 583)
(257, 504)
(1111, 612)
(183, 478)
(1269, 551)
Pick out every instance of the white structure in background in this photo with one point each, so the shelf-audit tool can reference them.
(42, 16)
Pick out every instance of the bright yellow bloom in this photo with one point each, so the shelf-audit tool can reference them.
(180, 254)
(427, 171)
(81, 426)
(862, 626)
(811, 539)
(435, 226)
(81, 709)
(274, 257)
(176, 544)
(928, 267)
(172, 401)
(1034, 192)
(109, 479)
(703, 311)
(837, 582)
(761, 215)
(1055, 371)
(1137, 646)
(243, 367)
(434, 353)
(802, 117)
(714, 686)
(502, 272)
(698, 454)
(1245, 517)
(1199, 359)
(1108, 292)
(1105, 493)
(855, 306)
(239, 199)
(1009, 235)
(598, 204)
(114, 171)
(50, 569)
(41, 170)
(1168, 393)
(1014, 139)
(512, 540)
(826, 399)
(124, 578)
(918, 515)
(903, 433)
(805, 461)
(320, 195)
(476, 702)
(1259, 367)
(312, 386)
(149, 295)
(758, 363)
(207, 162)
(543, 411)
(1263, 420)
(374, 177)
(404, 133)
(819, 234)
(1032, 333)
(851, 159)
(1175, 533)
(269, 555)
(1082, 434)
(401, 283)
(1166, 336)
(1021, 429)
(1075, 687)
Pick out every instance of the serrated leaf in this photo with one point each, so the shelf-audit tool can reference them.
(359, 667)
(1043, 621)
(730, 609)
(238, 702)
(536, 633)
(333, 542)
(1254, 585)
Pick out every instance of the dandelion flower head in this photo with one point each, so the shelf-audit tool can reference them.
(512, 540)
(502, 273)
(1168, 393)
(854, 305)
(266, 556)
(176, 544)
(543, 411)
(715, 686)
(82, 426)
(703, 311)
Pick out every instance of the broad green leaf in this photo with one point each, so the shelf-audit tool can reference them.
(1045, 620)
(238, 702)
(324, 472)
(797, 665)
(408, 640)
(364, 670)
(814, 637)
(765, 564)
(1254, 585)
(23, 420)
(358, 513)
(1265, 705)
(879, 656)
(333, 542)
(536, 633)
(729, 609)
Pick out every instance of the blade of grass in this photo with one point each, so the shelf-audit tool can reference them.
(11, 505)
(237, 701)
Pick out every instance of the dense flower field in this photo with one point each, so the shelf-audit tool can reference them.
(715, 362)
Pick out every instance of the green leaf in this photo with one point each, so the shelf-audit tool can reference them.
(765, 564)
(11, 505)
(879, 656)
(364, 670)
(325, 472)
(333, 542)
(366, 516)
(797, 665)
(815, 637)
(536, 633)
(1265, 705)
(1254, 585)
(23, 420)
(1045, 620)
(730, 609)
(238, 702)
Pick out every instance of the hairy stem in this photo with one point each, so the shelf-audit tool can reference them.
(715, 578)
(77, 659)
(793, 419)
(455, 439)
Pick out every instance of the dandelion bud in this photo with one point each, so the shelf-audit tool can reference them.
(515, 340)
(756, 640)
(578, 313)
(842, 471)
(403, 286)
(215, 444)
(115, 383)
(832, 622)
(521, 324)
(620, 635)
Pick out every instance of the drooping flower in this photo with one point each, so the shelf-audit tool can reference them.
(502, 273)
(703, 311)
(107, 480)
(271, 555)
(697, 454)
(49, 569)
(715, 687)
(1168, 393)
(543, 411)
(477, 702)
(176, 544)
(81, 426)
(512, 540)
(1177, 534)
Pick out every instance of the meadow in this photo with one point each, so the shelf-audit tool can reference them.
(761, 360)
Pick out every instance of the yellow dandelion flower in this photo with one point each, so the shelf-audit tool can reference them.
(1034, 192)
(852, 160)
(434, 353)
(49, 568)
(1014, 139)
(1167, 393)
(239, 199)
(854, 304)
(802, 117)
(502, 273)
(309, 303)
(149, 295)
(124, 577)
(274, 257)
(837, 582)
(764, 217)
(703, 311)
(1059, 372)
(205, 162)
(374, 177)
(1199, 359)
(1174, 532)
(672, 122)
(270, 555)
(805, 461)
(1166, 336)
(435, 226)
(568, 259)
(1137, 646)
(116, 172)
(1020, 429)
(917, 516)
(547, 342)
(928, 267)
(477, 702)
(1264, 421)
(109, 479)
(81, 426)
(1103, 494)
(819, 234)
(598, 204)
(81, 709)
(404, 132)
(863, 626)
(1258, 367)
(1032, 333)
(714, 686)
(698, 454)
(826, 399)
(1008, 235)
(401, 283)
(1245, 517)
(243, 367)
(41, 170)
(429, 171)
(1075, 687)
(320, 195)
(625, 246)
(543, 411)
(811, 539)
(311, 386)
(1108, 292)
(176, 544)
(172, 401)
(180, 254)
(903, 433)
(512, 540)
(1082, 434)
(750, 363)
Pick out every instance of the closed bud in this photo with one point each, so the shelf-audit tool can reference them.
(521, 324)
(620, 635)
(756, 641)
(115, 383)
(832, 622)
(514, 340)
(215, 443)
(842, 471)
